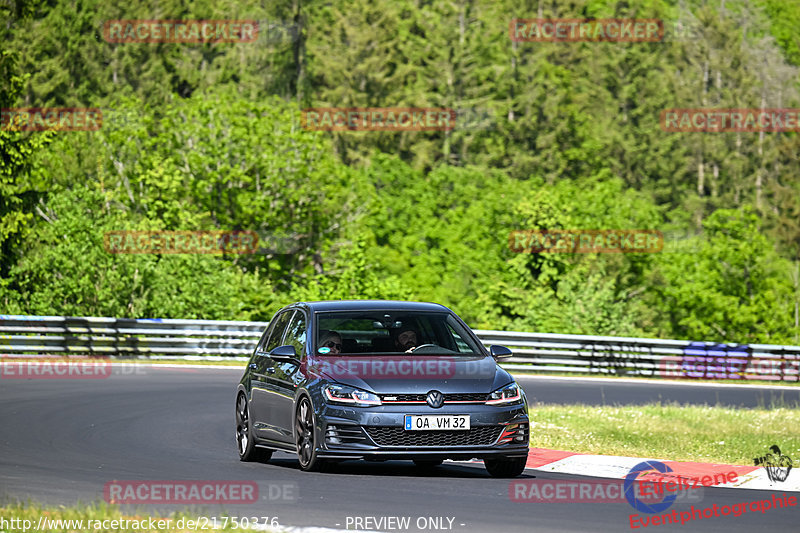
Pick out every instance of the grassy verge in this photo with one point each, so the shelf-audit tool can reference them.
(72, 519)
(663, 431)
(587, 375)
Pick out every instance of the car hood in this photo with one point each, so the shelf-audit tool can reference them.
(409, 374)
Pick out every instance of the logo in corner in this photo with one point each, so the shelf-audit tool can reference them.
(636, 503)
(775, 463)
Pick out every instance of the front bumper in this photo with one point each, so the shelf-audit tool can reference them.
(377, 433)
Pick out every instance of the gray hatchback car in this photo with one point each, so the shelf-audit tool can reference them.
(379, 380)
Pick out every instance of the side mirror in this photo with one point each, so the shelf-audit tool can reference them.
(500, 352)
(285, 354)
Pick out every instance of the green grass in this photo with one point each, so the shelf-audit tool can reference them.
(667, 431)
(102, 511)
(654, 379)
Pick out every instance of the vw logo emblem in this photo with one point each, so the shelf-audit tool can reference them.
(435, 399)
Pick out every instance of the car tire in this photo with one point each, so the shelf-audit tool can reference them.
(427, 463)
(305, 439)
(245, 443)
(506, 466)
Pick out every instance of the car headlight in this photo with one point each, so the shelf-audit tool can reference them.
(350, 395)
(508, 394)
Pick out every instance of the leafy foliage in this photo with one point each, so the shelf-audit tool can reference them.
(567, 135)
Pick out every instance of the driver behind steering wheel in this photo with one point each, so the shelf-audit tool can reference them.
(406, 340)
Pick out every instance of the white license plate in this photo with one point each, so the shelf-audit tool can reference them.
(436, 423)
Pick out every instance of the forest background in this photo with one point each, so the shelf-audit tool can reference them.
(549, 135)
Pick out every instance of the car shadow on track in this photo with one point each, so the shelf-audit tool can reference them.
(394, 468)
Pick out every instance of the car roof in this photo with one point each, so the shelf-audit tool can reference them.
(371, 305)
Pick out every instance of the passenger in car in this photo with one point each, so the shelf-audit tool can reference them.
(330, 339)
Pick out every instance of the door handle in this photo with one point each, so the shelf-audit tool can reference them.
(270, 370)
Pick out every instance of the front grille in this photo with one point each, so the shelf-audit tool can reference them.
(468, 397)
(398, 436)
(478, 397)
(402, 398)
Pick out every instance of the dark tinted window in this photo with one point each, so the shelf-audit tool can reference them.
(277, 332)
(262, 342)
(376, 331)
(296, 333)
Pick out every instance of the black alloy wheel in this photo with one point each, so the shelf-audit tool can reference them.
(245, 442)
(304, 437)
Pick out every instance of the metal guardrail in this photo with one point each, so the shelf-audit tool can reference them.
(36, 336)
(103, 336)
(631, 356)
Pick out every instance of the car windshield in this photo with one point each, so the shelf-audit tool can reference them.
(392, 332)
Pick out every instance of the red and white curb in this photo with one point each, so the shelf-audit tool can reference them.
(617, 467)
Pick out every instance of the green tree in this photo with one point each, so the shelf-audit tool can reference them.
(19, 191)
(66, 270)
(735, 288)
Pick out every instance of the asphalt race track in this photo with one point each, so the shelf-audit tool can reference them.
(62, 440)
(636, 392)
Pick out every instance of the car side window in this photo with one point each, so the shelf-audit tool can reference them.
(277, 332)
(262, 342)
(296, 334)
(463, 347)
